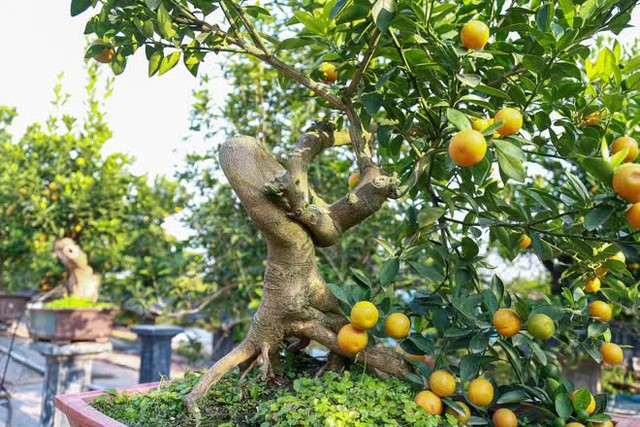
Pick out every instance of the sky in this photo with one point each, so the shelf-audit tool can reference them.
(148, 116)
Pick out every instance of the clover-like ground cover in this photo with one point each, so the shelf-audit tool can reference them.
(337, 399)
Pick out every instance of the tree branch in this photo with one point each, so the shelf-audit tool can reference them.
(249, 26)
(205, 302)
(364, 64)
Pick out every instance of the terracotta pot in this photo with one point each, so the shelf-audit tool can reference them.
(80, 414)
(71, 325)
(12, 307)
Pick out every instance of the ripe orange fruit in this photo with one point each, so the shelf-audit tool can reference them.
(525, 241)
(592, 403)
(23, 191)
(511, 121)
(626, 182)
(574, 425)
(352, 340)
(611, 353)
(106, 56)
(442, 383)
(364, 315)
(507, 322)
(593, 285)
(480, 124)
(461, 418)
(397, 326)
(467, 147)
(504, 417)
(607, 423)
(600, 310)
(541, 326)
(633, 215)
(474, 35)
(626, 142)
(429, 401)
(330, 74)
(354, 179)
(53, 186)
(480, 392)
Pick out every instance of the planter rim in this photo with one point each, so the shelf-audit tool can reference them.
(77, 407)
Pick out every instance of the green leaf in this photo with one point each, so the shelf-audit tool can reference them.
(489, 90)
(510, 159)
(338, 292)
(598, 216)
(118, 64)
(152, 4)
(564, 405)
(582, 399)
(458, 119)
(632, 65)
(423, 344)
(311, 23)
(471, 80)
(578, 186)
(469, 366)
(154, 62)
(164, 22)
(614, 102)
(534, 63)
(79, 6)
(513, 396)
(383, 12)
(429, 215)
(371, 102)
(568, 10)
(168, 62)
(599, 168)
(389, 271)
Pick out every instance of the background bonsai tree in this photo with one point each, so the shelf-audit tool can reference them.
(56, 183)
(411, 82)
(83, 283)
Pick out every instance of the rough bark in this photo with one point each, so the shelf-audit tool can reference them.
(295, 301)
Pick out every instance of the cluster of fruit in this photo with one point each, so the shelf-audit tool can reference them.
(508, 323)
(353, 338)
(479, 392)
(468, 147)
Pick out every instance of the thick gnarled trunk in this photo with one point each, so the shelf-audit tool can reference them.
(295, 301)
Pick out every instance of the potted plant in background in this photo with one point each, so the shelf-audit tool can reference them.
(77, 316)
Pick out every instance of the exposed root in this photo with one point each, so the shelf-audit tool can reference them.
(237, 356)
(250, 367)
(379, 358)
(299, 345)
(335, 363)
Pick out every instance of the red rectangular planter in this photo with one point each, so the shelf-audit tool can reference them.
(80, 414)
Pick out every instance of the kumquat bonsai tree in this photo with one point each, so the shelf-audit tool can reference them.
(457, 114)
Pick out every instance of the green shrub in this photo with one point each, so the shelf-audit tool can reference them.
(335, 399)
(75, 302)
